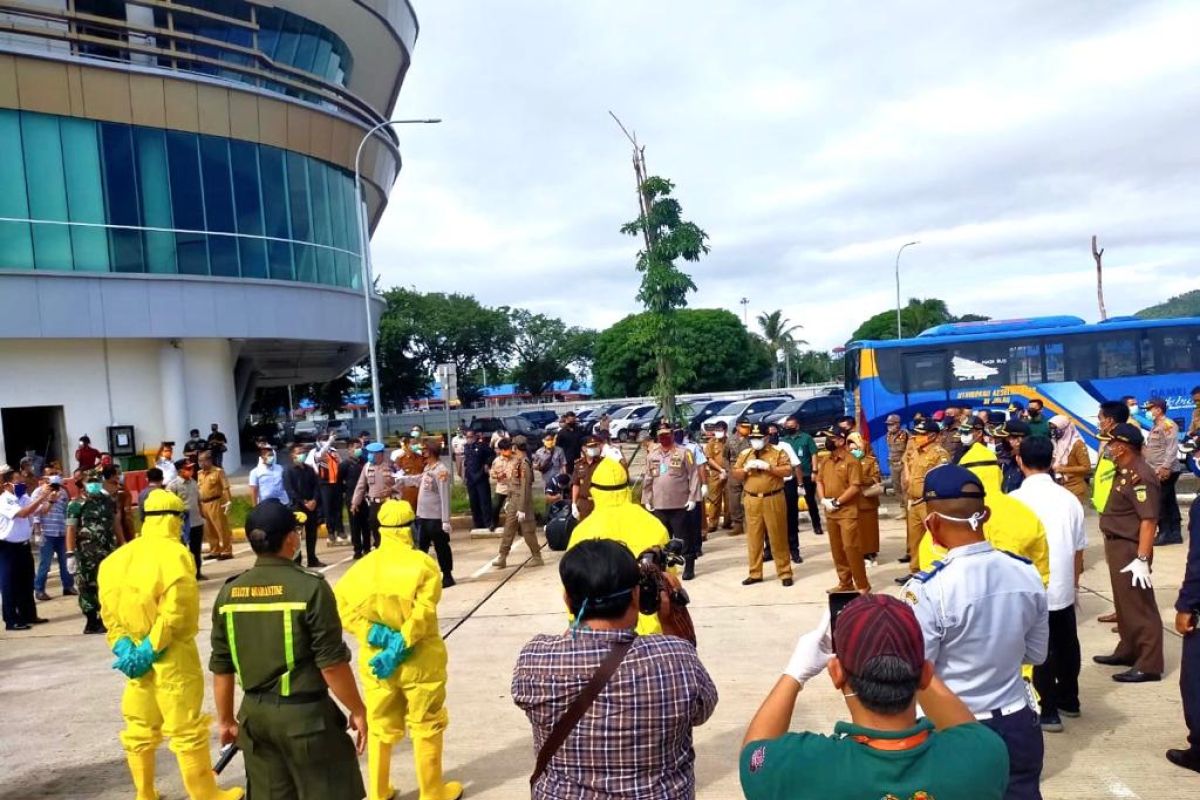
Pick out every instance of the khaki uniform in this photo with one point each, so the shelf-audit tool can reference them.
(917, 462)
(735, 515)
(1076, 471)
(410, 464)
(672, 479)
(518, 475)
(766, 511)
(897, 443)
(868, 507)
(835, 475)
(1134, 497)
(582, 477)
(715, 502)
(214, 494)
(948, 438)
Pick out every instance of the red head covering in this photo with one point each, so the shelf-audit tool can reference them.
(878, 625)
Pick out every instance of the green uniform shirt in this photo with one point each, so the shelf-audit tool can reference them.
(1040, 426)
(806, 450)
(966, 762)
(277, 626)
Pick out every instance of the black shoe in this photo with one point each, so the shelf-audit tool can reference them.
(448, 581)
(1051, 722)
(819, 532)
(904, 559)
(211, 556)
(751, 581)
(788, 582)
(1136, 676)
(1188, 759)
(38, 621)
(200, 576)
(17, 626)
(70, 593)
(1160, 540)
(357, 556)
(315, 563)
(225, 557)
(797, 558)
(689, 574)
(1070, 712)
(42, 597)
(1112, 661)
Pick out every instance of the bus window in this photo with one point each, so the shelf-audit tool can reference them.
(1116, 356)
(1146, 347)
(850, 360)
(888, 364)
(975, 364)
(925, 372)
(1024, 363)
(1080, 358)
(1055, 364)
(1178, 349)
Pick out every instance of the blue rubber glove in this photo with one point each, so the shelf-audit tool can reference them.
(141, 659)
(122, 649)
(393, 650)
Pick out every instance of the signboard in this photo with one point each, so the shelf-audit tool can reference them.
(447, 375)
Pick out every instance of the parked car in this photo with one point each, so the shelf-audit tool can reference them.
(745, 408)
(620, 419)
(640, 426)
(704, 411)
(540, 419)
(588, 425)
(514, 425)
(813, 413)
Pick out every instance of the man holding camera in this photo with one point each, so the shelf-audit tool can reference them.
(885, 750)
(649, 692)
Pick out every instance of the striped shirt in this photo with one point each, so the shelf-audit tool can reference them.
(54, 519)
(636, 739)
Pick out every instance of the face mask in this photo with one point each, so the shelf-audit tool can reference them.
(991, 446)
(358, 452)
(791, 431)
(856, 453)
(591, 452)
(757, 444)
(666, 441)
(678, 437)
(269, 461)
(719, 434)
(299, 459)
(1055, 433)
(94, 488)
(416, 432)
(773, 438)
(19, 490)
(417, 449)
(966, 438)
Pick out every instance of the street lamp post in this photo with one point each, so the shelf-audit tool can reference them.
(899, 334)
(364, 258)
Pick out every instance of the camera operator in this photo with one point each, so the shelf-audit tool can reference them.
(885, 751)
(650, 691)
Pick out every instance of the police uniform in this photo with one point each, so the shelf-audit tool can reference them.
(838, 473)
(984, 614)
(919, 459)
(1162, 452)
(766, 517)
(1134, 498)
(276, 626)
(715, 502)
(376, 485)
(735, 517)
(672, 483)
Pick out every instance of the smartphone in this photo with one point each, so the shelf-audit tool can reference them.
(837, 603)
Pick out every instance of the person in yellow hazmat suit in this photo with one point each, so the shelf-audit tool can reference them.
(388, 600)
(150, 604)
(1012, 526)
(617, 517)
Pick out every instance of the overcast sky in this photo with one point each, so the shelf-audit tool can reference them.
(810, 140)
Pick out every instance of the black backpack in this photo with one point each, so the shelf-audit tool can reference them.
(559, 525)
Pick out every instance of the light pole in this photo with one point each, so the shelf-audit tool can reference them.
(364, 258)
(745, 301)
(900, 335)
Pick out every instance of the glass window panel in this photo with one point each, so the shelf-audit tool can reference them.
(192, 251)
(85, 194)
(218, 186)
(121, 197)
(253, 257)
(48, 190)
(279, 257)
(341, 236)
(352, 223)
(978, 364)
(321, 59)
(1055, 361)
(1178, 349)
(306, 262)
(223, 255)
(925, 372)
(15, 237)
(154, 184)
(246, 196)
(1147, 354)
(187, 194)
(890, 374)
(1024, 363)
(322, 227)
(289, 40)
(1116, 356)
(301, 213)
(275, 192)
(1080, 358)
(307, 49)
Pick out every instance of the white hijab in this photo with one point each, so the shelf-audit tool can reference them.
(1064, 443)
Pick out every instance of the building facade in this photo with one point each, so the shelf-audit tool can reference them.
(178, 219)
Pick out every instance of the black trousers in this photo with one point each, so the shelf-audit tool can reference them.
(479, 493)
(429, 531)
(678, 524)
(373, 520)
(331, 508)
(791, 496)
(16, 583)
(360, 528)
(195, 541)
(695, 525)
(1057, 680)
(310, 532)
(814, 509)
(1189, 688)
(1169, 521)
(1022, 735)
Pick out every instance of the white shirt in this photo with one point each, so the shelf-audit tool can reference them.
(983, 613)
(168, 470)
(613, 452)
(14, 529)
(793, 459)
(1062, 517)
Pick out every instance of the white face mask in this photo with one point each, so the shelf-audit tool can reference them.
(757, 444)
(591, 452)
(416, 433)
(719, 434)
(991, 446)
(966, 438)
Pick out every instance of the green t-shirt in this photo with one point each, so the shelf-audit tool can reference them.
(806, 450)
(966, 762)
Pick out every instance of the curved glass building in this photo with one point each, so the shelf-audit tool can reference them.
(178, 219)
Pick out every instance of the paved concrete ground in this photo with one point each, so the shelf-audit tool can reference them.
(60, 699)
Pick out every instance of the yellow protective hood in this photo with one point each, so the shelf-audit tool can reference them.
(395, 519)
(982, 462)
(610, 484)
(157, 525)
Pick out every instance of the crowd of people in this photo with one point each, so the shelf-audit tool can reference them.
(949, 688)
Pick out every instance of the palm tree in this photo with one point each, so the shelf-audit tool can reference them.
(778, 333)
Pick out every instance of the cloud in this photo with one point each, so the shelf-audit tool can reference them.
(809, 140)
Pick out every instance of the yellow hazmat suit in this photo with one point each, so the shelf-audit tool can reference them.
(1012, 526)
(148, 591)
(399, 586)
(617, 517)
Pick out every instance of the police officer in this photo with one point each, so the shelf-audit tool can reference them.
(716, 500)
(581, 479)
(1128, 523)
(978, 636)
(839, 483)
(375, 486)
(1187, 620)
(671, 490)
(735, 445)
(897, 442)
(971, 432)
(760, 470)
(1008, 436)
(923, 454)
(276, 627)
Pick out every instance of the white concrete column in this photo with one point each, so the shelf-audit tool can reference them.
(173, 394)
(212, 396)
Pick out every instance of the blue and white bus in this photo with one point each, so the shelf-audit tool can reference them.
(1071, 365)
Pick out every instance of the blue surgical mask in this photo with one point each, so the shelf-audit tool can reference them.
(269, 461)
(358, 452)
(19, 490)
(94, 488)
(857, 453)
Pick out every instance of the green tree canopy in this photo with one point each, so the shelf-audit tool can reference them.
(914, 318)
(545, 350)
(716, 353)
(778, 332)
(1183, 305)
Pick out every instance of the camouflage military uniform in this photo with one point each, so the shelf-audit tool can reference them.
(94, 518)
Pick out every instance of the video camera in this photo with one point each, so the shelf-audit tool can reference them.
(655, 579)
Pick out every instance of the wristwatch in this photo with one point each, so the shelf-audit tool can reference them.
(836, 503)
(1143, 559)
